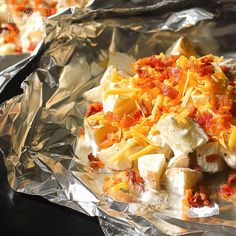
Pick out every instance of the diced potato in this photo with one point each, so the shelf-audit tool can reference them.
(7, 48)
(183, 137)
(179, 161)
(164, 147)
(181, 46)
(180, 179)
(209, 158)
(82, 149)
(117, 103)
(151, 168)
(107, 155)
(93, 95)
(229, 157)
(95, 133)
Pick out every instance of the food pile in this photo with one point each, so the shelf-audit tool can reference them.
(22, 23)
(167, 127)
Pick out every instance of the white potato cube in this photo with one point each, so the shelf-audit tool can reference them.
(95, 133)
(164, 147)
(151, 168)
(93, 95)
(82, 149)
(229, 157)
(106, 157)
(180, 179)
(7, 48)
(209, 158)
(116, 103)
(179, 161)
(183, 138)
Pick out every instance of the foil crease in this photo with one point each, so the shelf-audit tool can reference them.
(39, 129)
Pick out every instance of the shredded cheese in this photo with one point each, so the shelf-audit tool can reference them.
(144, 151)
(186, 82)
(121, 185)
(158, 102)
(186, 97)
(121, 153)
(114, 75)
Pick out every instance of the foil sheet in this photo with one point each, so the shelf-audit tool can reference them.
(39, 129)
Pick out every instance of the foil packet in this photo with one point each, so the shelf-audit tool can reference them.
(39, 129)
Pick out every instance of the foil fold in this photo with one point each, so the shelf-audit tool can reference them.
(39, 130)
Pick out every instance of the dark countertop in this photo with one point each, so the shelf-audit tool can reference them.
(22, 214)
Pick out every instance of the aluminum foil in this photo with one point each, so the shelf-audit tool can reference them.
(39, 129)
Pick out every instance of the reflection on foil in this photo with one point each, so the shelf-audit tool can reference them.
(39, 130)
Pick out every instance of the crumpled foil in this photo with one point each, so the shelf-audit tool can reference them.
(39, 129)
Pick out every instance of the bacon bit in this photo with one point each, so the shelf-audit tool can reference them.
(93, 108)
(220, 103)
(144, 109)
(212, 158)
(204, 120)
(206, 70)
(127, 121)
(196, 199)
(224, 68)
(225, 191)
(134, 177)
(191, 109)
(18, 49)
(13, 32)
(95, 163)
(206, 60)
(32, 46)
(176, 74)
(164, 109)
(137, 115)
(169, 91)
(110, 139)
(112, 117)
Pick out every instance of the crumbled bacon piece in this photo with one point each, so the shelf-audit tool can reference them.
(32, 46)
(127, 121)
(225, 191)
(134, 177)
(169, 91)
(144, 108)
(175, 73)
(95, 163)
(224, 68)
(109, 140)
(197, 198)
(137, 115)
(204, 120)
(206, 70)
(191, 109)
(93, 108)
(112, 117)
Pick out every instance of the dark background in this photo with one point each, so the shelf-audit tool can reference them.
(22, 214)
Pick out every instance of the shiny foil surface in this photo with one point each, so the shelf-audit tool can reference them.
(39, 130)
